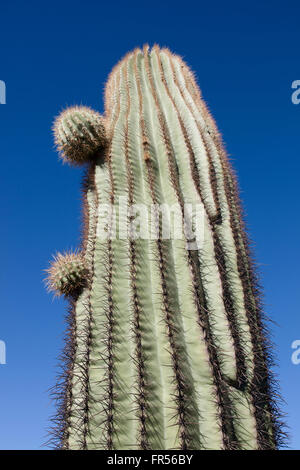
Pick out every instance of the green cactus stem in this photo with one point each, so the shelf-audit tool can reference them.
(167, 345)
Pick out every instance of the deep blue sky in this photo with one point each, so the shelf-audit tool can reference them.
(58, 53)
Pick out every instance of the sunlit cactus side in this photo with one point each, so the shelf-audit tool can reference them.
(166, 345)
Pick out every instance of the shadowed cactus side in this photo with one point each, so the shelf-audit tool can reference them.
(166, 346)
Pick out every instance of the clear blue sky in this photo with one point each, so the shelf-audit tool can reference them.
(58, 53)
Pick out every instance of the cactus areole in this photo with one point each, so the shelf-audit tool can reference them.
(166, 345)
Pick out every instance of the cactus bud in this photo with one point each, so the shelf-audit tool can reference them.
(67, 274)
(79, 134)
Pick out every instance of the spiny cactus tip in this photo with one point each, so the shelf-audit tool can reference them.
(67, 274)
(79, 134)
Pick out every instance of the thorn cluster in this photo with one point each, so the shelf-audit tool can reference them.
(79, 134)
(67, 274)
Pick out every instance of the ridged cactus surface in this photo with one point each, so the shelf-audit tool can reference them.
(166, 346)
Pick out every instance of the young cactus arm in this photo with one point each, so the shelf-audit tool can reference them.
(67, 274)
(79, 134)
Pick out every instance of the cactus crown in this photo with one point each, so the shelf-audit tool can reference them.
(79, 134)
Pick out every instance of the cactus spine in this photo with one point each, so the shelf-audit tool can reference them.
(166, 344)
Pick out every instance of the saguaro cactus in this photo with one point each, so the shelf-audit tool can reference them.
(166, 344)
